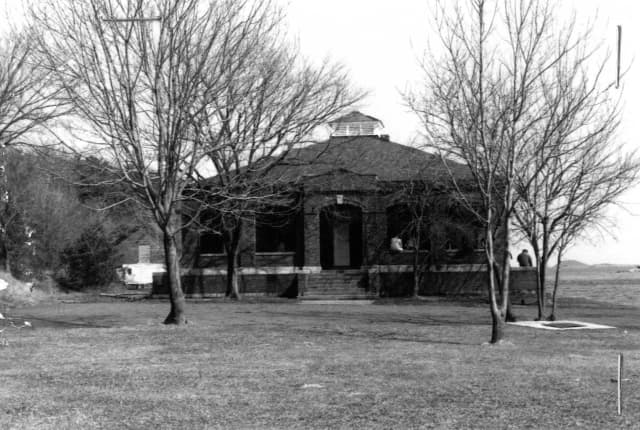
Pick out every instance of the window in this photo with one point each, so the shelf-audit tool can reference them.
(276, 230)
(400, 223)
(211, 243)
(462, 230)
(458, 238)
(211, 240)
(480, 238)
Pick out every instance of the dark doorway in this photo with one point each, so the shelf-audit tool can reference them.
(341, 237)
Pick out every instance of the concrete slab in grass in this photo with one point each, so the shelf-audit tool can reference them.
(561, 325)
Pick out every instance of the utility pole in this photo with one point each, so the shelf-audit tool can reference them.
(618, 57)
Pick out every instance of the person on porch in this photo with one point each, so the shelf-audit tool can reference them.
(524, 259)
(396, 245)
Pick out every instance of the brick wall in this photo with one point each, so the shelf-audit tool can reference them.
(286, 259)
(524, 281)
(470, 282)
(211, 285)
(191, 258)
(387, 284)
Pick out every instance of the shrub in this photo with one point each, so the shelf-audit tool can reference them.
(90, 260)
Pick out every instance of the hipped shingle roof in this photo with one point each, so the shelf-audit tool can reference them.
(365, 156)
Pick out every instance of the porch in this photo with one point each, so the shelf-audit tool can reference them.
(363, 283)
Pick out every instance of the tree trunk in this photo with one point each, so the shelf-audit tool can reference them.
(5, 261)
(510, 315)
(497, 326)
(540, 295)
(416, 270)
(505, 306)
(497, 318)
(542, 265)
(556, 281)
(233, 290)
(539, 292)
(176, 296)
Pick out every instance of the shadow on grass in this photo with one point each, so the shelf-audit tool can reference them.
(374, 317)
(429, 321)
(453, 300)
(582, 303)
(372, 335)
(38, 322)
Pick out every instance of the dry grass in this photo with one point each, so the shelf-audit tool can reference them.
(286, 365)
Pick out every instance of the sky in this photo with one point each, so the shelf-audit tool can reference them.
(381, 41)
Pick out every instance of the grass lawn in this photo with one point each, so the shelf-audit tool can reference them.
(286, 365)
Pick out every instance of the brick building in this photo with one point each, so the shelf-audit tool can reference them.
(337, 240)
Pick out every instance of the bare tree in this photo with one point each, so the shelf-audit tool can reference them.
(579, 169)
(573, 191)
(273, 100)
(483, 103)
(419, 198)
(27, 103)
(135, 73)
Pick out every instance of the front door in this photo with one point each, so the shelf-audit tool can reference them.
(341, 237)
(341, 243)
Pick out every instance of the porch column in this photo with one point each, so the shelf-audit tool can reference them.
(311, 237)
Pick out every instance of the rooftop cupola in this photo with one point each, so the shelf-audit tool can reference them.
(356, 124)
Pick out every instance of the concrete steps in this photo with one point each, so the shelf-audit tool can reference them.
(337, 297)
(337, 285)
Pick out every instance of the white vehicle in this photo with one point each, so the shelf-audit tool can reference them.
(139, 275)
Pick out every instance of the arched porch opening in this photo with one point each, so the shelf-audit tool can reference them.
(341, 236)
